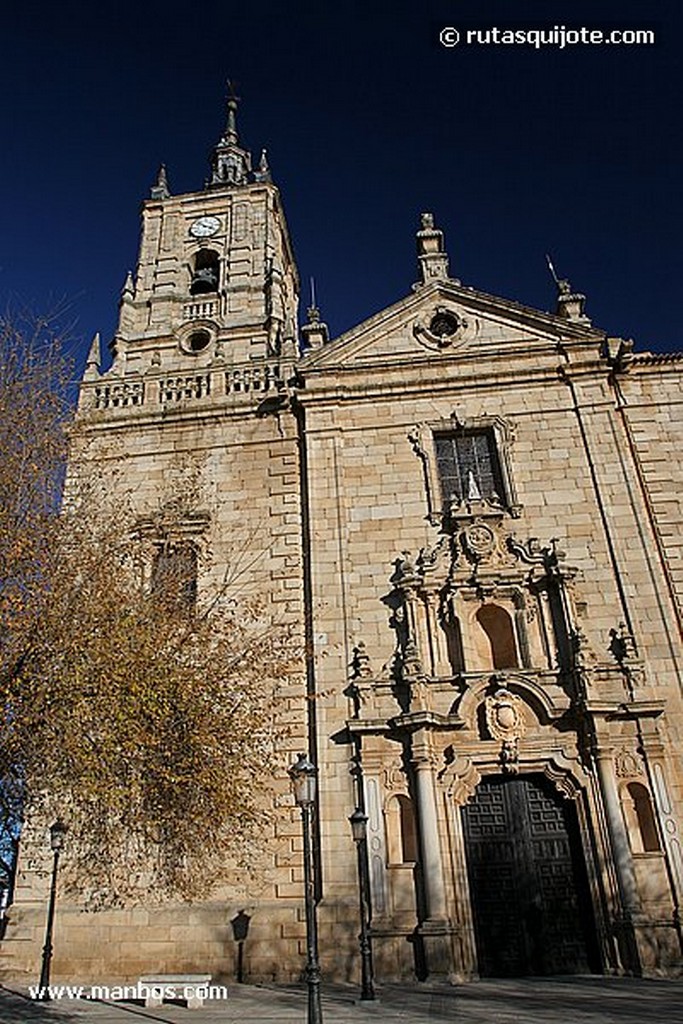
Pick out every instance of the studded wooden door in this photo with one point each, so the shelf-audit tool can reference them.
(527, 877)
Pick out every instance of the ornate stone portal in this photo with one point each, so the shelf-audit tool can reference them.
(492, 680)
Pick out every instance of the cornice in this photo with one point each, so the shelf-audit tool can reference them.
(210, 197)
(647, 360)
(197, 411)
(415, 380)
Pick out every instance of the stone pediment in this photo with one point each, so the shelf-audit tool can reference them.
(446, 321)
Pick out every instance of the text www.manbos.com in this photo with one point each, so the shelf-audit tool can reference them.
(117, 993)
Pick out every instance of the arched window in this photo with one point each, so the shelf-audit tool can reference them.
(401, 831)
(497, 626)
(206, 273)
(174, 575)
(640, 818)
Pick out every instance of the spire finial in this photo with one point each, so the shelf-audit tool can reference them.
(313, 312)
(94, 360)
(314, 331)
(161, 190)
(231, 165)
(431, 255)
(233, 99)
(128, 290)
(570, 304)
(263, 172)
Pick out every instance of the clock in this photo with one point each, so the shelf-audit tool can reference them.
(205, 227)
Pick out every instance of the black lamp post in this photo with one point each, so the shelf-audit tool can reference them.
(57, 834)
(304, 784)
(240, 930)
(359, 828)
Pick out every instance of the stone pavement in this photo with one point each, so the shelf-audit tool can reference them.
(575, 1000)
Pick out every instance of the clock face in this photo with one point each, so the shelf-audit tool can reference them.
(204, 227)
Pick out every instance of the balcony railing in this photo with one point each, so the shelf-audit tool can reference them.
(174, 389)
(119, 394)
(246, 379)
(210, 382)
(203, 310)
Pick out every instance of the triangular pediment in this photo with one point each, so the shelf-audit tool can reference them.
(446, 320)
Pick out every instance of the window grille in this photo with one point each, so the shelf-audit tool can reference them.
(468, 465)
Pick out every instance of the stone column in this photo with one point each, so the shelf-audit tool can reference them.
(430, 849)
(623, 863)
(434, 932)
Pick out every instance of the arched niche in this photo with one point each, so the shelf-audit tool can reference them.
(402, 855)
(401, 830)
(499, 644)
(639, 817)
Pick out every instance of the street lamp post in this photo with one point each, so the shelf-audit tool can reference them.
(57, 833)
(359, 828)
(304, 784)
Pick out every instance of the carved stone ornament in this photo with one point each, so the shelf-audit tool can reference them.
(435, 562)
(394, 780)
(481, 533)
(505, 722)
(412, 665)
(627, 764)
(444, 329)
(479, 539)
(563, 772)
(460, 780)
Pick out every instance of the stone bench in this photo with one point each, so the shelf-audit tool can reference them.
(190, 987)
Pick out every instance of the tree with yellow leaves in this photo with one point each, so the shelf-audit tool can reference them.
(141, 716)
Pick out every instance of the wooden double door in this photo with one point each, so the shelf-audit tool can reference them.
(528, 883)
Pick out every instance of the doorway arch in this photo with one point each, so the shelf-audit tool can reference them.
(528, 883)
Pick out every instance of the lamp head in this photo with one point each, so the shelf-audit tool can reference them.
(304, 782)
(359, 825)
(58, 832)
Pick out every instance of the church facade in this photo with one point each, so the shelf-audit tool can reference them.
(468, 505)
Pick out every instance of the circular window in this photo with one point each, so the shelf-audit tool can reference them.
(444, 324)
(198, 341)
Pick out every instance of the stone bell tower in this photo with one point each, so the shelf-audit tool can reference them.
(215, 286)
(191, 429)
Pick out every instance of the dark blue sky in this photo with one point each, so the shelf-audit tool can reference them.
(368, 121)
